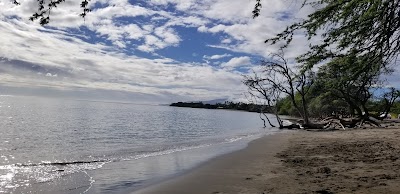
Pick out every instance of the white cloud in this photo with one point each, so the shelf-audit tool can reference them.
(237, 62)
(226, 41)
(51, 75)
(233, 18)
(168, 35)
(38, 53)
(215, 57)
(77, 64)
(187, 21)
(217, 28)
(229, 11)
(202, 29)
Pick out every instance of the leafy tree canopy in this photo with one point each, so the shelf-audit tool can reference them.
(371, 28)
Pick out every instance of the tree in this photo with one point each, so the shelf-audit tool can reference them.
(264, 94)
(266, 107)
(46, 6)
(371, 28)
(277, 80)
(359, 41)
(344, 86)
(389, 98)
(326, 105)
(347, 78)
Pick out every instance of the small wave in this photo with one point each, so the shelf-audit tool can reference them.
(13, 176)
(61, 163)
(188, 147)
(46, 171)
(233, 139)
(167, 151)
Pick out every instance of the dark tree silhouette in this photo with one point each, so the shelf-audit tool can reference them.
(370, 28)
(278, 79)
(389, 98)
(46, 6)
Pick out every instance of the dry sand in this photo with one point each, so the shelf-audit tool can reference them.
(351, 161)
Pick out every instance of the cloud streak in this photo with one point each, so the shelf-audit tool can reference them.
(137, 48)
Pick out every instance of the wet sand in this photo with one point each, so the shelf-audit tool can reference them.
(351, 161)
(244, 171)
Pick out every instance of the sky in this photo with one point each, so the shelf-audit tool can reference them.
(142, 51)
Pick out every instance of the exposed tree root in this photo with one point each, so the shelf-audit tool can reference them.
(334, 123)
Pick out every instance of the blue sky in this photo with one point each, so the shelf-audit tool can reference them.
(142, 51)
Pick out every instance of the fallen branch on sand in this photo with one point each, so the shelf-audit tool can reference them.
(333, 123)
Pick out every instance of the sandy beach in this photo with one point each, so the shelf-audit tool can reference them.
(351, 161)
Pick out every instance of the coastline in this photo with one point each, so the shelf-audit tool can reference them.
(352, 161)
(241, 171)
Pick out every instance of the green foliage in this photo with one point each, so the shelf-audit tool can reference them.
(369, 28)
(349, 79)
(396, 108)
(285, 107)
(359, 39)
(325, 101)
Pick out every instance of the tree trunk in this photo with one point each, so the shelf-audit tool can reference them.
(296, 106)
(305, 112)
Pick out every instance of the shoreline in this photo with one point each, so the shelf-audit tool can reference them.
(219, 174)
(352, 161)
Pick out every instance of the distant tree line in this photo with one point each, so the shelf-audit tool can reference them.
(250, 107)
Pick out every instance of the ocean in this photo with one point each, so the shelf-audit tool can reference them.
(76, 146)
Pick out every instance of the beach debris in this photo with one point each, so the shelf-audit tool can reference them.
(324, 191)
(324, 170)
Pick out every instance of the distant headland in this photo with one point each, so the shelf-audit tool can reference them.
(225, 105)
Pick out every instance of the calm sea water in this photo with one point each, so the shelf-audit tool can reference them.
(70, 146)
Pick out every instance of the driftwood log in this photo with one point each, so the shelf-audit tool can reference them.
(333, 122)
